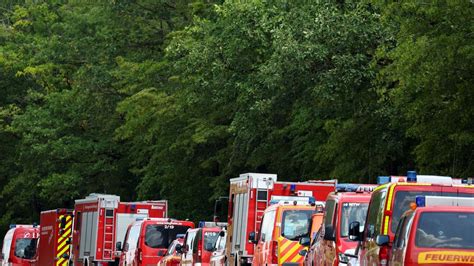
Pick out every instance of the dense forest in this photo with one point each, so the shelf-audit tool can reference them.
(169, 99)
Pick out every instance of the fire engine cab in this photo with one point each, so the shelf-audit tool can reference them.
(20, 245)
(436, 231)
(250, 194)
(101, 220)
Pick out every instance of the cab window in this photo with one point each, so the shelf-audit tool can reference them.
(352, 212)
(296, 224)
(210, 239)
(161, 235)
(25, 248)
(266, 230)
(375, 213)
(436, 230)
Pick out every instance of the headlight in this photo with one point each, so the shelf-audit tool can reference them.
(343, 258)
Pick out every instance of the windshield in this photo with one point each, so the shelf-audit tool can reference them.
(210, 239)
(25, 248)
(161, 235)
(352, 212)
(445, 230)
(296, 223)
(404, 198)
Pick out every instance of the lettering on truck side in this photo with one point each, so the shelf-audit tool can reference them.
(446, 257)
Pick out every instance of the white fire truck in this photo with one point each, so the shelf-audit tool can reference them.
(100, 221)
(250, 194)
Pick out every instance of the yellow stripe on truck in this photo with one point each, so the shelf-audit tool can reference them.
(388, 208)
(63, 246)
(60, 261)
(390, 197)
(284, 244)
(290, 253)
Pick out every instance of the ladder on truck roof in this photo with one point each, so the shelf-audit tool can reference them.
(109, 228)
(260, 206)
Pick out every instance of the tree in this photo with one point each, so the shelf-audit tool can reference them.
(428, 78)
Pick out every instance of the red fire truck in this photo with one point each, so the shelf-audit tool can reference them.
(20, 246)
(55, 237)
(250, 194)
(100, 221)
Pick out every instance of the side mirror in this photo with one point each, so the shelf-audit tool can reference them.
(354, 231)
(161, 253)
(179, 248)
(118, 246)
(382, 240)
(252, 238)
(305, 241)
(303, 252)
(63, 222)
(329, 233)
(222, 233)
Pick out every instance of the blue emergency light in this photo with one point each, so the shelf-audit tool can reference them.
(292, 187)
(383, 180)
(411, 176)
(420, 201)
(347, 187)
(12, 226)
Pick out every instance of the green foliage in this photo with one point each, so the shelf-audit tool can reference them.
(169, 99)
(430, 82)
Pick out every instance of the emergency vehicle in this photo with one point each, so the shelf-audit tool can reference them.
(387, 204)
(333, 242)
(101, 220)
(199, 244)
(20, 246)
(436, 231)
(284, 224)
(55, 237)
(147, 240)
(250, 194)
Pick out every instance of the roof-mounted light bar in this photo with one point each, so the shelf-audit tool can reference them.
(292, 200)
(204, 224)
(412, 177)
(424, 201)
